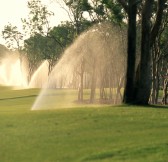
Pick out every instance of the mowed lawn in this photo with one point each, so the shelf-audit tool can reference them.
(86, 134)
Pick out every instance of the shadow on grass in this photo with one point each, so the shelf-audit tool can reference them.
(129, 153)
(140, 106)
(19, 97)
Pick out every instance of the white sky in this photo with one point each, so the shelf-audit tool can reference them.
(11, 11)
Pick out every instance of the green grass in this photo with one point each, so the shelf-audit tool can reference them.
(87, 134)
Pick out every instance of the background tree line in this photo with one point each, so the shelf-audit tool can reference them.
(146, 21)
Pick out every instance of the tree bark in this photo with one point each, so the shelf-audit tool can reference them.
(143, 85)
(80, 90)
(138, 91)
(93, 83)
(165, 88)
(131, 56)
(158, 22)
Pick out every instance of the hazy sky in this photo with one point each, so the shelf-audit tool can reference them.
(13, 10)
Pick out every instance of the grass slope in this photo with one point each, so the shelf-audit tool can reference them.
(99, 134)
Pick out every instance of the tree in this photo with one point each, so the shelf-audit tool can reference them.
(159, 60)
(143, 84)
(165, 89)
(143, 76)
(38, 18)
(62, 34)
(96, 11)
(131, 58)
(163, 62)
(75, 10)
(50, 47)
(106, 10)
(37, 26)
(12, 36)
(32, 48)
(14, 40)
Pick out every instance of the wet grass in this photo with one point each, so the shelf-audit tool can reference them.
(99, 134)
(15, 100)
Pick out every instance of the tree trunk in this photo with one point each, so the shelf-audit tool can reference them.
(80, 90)
(138, 92)
(161, 4)
(144, 83)
(165, 88)
(118, 99)
(93, 83)
(155, 83)
(130, 75)
(155, 72)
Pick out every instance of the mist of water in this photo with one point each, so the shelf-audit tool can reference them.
(11, 72)
(14, 73)
(98, 56)
(100, 53)
(40, 76)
